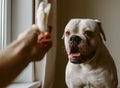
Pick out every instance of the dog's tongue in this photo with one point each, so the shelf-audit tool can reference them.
(74, 55)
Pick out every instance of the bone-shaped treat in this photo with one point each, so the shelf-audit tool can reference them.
(42, 16)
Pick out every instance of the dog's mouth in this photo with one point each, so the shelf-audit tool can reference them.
(80, 55)
(77, 58)
(79, 50)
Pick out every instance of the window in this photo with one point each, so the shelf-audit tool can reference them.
(11, 26)
(21, 20)
(15, 17)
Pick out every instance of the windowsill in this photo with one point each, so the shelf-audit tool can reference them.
(25, 85)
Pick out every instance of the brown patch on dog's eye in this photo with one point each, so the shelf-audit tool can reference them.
(67, 33)
(88, 33)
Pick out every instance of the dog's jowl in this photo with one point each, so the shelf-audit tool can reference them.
(90, 64)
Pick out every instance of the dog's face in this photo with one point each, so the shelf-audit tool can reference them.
(82, 38)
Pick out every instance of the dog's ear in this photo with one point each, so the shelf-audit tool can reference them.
(101, 29)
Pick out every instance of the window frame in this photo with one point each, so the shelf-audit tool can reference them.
(5, 22)
(0, 23)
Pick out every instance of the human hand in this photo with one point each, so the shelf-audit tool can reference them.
(36, 44)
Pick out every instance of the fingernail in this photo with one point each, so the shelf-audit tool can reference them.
(46, 33)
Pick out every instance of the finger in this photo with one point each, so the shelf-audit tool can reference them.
(44, 42)
(36, 29)
(47, 42)
(40, 37)
(47, 35)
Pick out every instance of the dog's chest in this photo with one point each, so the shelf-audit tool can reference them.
(82, 76)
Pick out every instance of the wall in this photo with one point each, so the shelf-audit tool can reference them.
(61, 59)
(108, 11)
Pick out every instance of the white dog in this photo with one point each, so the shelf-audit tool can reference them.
(90, 64)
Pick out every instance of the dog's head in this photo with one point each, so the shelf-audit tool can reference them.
(82, 38)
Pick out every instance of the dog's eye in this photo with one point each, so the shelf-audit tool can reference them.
(88, 33)
(67, 33)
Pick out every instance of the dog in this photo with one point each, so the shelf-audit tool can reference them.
(90, 64)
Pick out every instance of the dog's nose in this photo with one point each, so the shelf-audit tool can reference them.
(73, 42)
(75, 39)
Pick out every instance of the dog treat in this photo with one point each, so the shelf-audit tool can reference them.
(42, 16)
